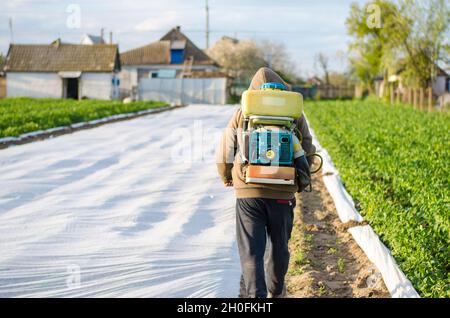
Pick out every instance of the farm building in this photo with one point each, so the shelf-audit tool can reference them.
(89, 39)
(440, 84)
(174, 55)
(175, 67)
(61, 70)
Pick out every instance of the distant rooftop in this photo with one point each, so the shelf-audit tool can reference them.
(92, 39)
(159, 52)
(58, 57)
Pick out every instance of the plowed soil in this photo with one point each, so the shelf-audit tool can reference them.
(325, 260)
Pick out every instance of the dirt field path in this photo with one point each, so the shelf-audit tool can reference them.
(325, 260)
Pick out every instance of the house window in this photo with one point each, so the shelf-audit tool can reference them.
(176, 56)
(145, 73)
(165, 73)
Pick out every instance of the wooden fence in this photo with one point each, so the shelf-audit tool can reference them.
(421, 98)
(325, 91)
(2, 87)
(333, 92)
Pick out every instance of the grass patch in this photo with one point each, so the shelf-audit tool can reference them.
(299, 257)
(331, 251)
(321, 289)
(341, 265)
(298, 246)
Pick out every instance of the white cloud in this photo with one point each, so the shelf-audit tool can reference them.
(160, 22)
(25, 3)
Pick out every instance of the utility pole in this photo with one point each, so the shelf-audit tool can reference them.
(11, 30)
(207, 25)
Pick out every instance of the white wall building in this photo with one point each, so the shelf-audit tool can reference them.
(173, 57)
(63, 71)
(441, 84)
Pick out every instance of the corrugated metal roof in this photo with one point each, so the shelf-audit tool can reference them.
(62, 57)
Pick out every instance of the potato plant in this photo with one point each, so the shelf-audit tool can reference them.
(22, 115)
(395, 162)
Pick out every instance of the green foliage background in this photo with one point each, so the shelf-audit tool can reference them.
(410, 40)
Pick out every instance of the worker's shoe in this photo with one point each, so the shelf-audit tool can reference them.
(282, 295)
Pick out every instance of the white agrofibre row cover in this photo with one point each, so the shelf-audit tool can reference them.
(395, 280)
(107, 212)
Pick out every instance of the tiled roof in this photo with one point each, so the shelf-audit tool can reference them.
(62, 57)
(154, 53)
(159, 52)
(191, 49)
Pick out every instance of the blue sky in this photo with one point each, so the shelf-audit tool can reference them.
(305, 27)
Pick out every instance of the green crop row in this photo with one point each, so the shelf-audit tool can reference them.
(22, 115)
(395, 163)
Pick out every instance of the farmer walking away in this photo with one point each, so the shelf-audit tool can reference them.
(265, 153)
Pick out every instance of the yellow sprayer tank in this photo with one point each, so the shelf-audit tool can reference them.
(272, 103)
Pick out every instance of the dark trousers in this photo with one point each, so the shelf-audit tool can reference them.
(260, 221)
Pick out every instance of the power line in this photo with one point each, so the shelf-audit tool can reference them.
(231, 31)
(207, 24)
(11, 30)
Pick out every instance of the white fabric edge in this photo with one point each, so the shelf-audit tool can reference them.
(398, 285)
(342, 200)
(395, 280)
(38, 133)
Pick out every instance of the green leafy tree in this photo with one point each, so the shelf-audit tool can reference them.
(365, 62)
(371, 51)
(425, 46)
(411, 39)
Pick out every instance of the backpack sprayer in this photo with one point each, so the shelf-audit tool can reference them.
(272, 143)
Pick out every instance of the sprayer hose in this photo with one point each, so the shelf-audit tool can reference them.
(321, 161)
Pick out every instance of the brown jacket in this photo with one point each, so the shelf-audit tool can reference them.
(229, 163)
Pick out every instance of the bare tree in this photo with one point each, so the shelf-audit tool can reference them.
(241, 58)
(238, 58)
(2, 60)
(275, 55)
(322, 61)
